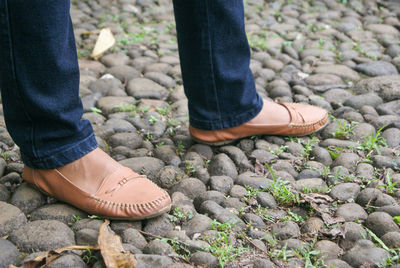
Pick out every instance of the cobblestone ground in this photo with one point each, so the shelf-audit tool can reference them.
(328, 200)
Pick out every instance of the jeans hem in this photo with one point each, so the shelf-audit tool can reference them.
(227, 122)
(63, 157)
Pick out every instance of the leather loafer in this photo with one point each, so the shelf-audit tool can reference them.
(304, 120)
(123, 194)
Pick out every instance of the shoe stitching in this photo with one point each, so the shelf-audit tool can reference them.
(293, 125)
(142, 205)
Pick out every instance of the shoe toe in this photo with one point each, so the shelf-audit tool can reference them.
(311, 114)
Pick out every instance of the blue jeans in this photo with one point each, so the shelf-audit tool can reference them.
(39, 75)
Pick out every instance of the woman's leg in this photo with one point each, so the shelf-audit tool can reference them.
(215, 58)
(223, 102)
(39, 81)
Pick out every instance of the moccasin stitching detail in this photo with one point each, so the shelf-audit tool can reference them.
(293, 125)
(142, 205)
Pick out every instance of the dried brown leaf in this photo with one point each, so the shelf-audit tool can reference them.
(259, 168)
(49, 256)
(111, 248)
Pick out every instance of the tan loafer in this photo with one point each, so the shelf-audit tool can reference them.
(304, 120)
(123, 194)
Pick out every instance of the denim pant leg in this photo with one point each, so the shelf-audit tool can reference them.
(215, 58)
(39, 81)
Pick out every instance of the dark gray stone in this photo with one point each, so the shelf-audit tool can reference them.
(191, 187)
(11, 218)
(222, 165)
(286, 230)
(134, 237)
(61, 212)
(381, 223)
(42, 235)
(377, 68)
(149, 166)
(351, 212)
(8, 253)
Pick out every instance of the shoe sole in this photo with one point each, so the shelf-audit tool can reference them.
(220, 143)
(158, 213)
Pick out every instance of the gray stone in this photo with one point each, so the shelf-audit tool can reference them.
(221, 183)
(327, 249)
(212, 195)
(167, 153)
(11, 218)
(381, 223)
(321, 155)
(263, 156)
(376, 68)
(364, 253)
(158, 247)
(8, 253)
(191, 187)
(312, 225)
(159, 225)
(351, 212)
(169, 176)
(123, 72)
(67, 260)
(115, 59)
(87, 236)
(42, 235)
(61, 212)
(253, 180)
(161, 79)
(254, 220)
(238, 156)
(388, 87)
(391, 239)
(142, 88)
(393, 210)
(134, 237)
(204, 259)
(113, 104)
(337, 263)
(370, 99)
(345, 192)
(149, 166)
(222, 165)
(151, 261)
(198, 224)
(221, 214)
(392, 137)
(353, 232)
(340, 70)
(266, 200)
(285, 230)
(4, 193)
(314, 184)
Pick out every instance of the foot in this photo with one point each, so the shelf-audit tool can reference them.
(285, 119)
(99, 185)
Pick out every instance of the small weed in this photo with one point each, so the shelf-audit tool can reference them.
(180, 148)
(96, 110)
(293, 217)
(389, 185)
(190, 169)
(281, 191)
(372, 142)
(221, 247)
(153, 119)
(179, 216)
(88, 257)
(345, 129)
(178, 247)
(251, 193)
(131, 108)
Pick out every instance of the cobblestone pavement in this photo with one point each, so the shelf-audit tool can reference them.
(327, 200)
